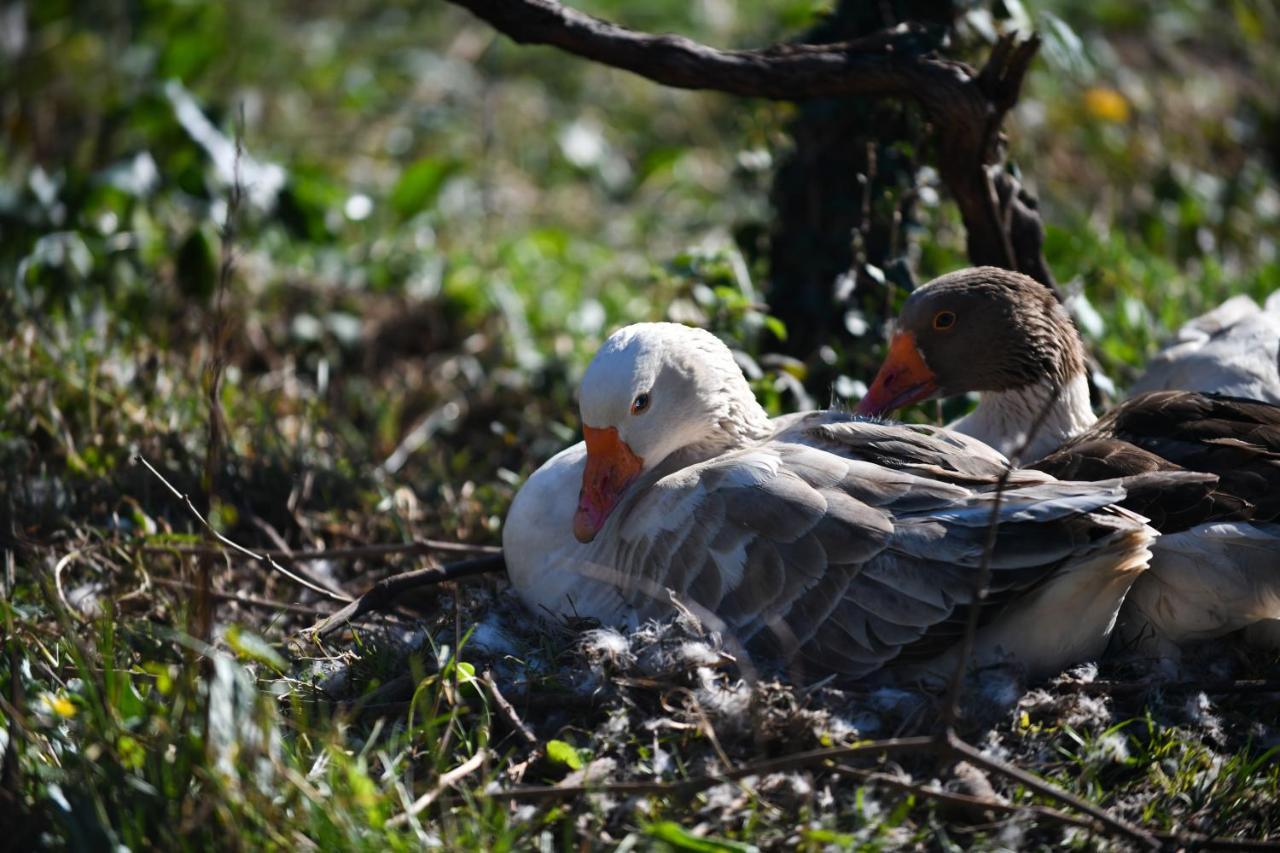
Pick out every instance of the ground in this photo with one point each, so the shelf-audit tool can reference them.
(438, 228)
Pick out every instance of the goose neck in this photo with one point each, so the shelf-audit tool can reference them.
(1035, 419)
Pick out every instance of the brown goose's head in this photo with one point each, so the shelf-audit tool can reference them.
(981, 329)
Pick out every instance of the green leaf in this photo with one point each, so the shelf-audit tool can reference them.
(132, 755)
(828, 837)
(681, 839)
(163, 676)
(466, 672)
(128, 702)
(254, 648)
(420, 184)
(776, 327)
(564, 753)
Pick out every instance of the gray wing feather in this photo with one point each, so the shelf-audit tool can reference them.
(812, 545)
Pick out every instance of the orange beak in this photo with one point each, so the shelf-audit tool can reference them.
(611, 466)
(904, 378)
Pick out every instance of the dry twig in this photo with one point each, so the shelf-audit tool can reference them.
(1122, 688)
(1117, 826)
(947, 743)
(966, 801)
(381, 549)
(235, 546)
(974, 804)
(66, 560)
(446, 781)
(386, 592)
(507, 709)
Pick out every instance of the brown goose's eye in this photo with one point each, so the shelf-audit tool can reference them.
(944, 320)
(639, 404)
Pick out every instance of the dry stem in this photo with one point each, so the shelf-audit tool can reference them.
(261, 558)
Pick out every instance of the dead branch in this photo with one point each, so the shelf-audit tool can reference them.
(446, 781)
(417, 547)
(507, 709)
(1030, 781)
(191, 507)
(966, 107)
(385, 594)
(879, 65)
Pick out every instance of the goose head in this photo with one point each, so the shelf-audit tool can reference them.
(983, 329)
(654, 390)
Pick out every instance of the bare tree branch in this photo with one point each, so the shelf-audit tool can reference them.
(875, 66)
(966, 107)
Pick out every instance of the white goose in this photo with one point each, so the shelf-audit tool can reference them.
(1217, 569)
(1234, 349)
(839, 544)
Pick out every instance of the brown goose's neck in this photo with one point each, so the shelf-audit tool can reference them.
(1004, 419)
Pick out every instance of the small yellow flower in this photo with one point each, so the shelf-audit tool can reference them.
(1106, 104)
(60, 705)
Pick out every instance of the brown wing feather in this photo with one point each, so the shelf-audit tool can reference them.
(1235, 439)
(1170, 507)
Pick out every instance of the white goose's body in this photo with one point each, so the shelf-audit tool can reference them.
(1234, 350)
(1208, 582)
(839, 544)
(545, 563)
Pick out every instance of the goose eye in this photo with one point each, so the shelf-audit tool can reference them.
(640, 403)
(944, 320)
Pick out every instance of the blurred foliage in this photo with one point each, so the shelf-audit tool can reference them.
(1150, 132)
(438, 229)
(426, 202)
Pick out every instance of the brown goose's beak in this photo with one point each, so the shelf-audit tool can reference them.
(611, 466)
(904, 378)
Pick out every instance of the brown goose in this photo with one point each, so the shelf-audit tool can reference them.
(1004, 335)
(839, 544)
